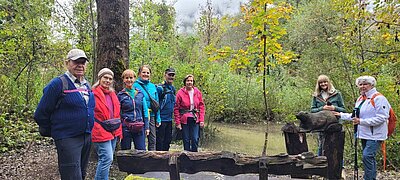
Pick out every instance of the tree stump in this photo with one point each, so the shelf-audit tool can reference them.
(295, 141)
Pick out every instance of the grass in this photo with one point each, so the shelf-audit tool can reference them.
(249, 139)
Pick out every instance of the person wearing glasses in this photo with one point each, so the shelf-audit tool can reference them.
(66, 113)
(166, 95)
(149, 90)
(107, 110)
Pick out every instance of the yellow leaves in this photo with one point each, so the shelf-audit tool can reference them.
(386, 36)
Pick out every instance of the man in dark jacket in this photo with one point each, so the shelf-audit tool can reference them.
(166, 92)
(65, 112)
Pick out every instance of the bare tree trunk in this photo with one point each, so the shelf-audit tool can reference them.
(113, 37)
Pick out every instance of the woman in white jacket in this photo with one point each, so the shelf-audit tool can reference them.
(371, 121)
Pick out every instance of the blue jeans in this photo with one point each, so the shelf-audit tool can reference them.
(105, 153)
(138, 139)
(73, 156)
(190, 135)
(368, 157)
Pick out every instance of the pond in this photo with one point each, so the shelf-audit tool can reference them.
(249, 139)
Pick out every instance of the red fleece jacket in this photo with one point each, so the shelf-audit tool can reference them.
(183, 102)
(101, 113)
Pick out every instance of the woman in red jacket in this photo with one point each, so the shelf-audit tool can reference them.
(189, 113)
(107, 110)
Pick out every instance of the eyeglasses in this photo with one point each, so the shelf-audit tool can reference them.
(171, 74)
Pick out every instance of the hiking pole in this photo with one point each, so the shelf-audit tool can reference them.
(354, 114)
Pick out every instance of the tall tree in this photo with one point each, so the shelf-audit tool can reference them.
(113, 37)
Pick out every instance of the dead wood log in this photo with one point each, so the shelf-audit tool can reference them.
(227, 163)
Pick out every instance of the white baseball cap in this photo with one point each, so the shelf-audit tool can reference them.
(75, 54)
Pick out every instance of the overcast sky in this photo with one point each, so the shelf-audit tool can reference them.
(187, 11)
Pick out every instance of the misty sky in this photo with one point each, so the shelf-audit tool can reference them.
(187, 11)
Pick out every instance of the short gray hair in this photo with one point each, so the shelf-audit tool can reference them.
(366, 79)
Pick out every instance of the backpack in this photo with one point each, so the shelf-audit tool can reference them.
(65, 89)
(392, 116)
(165, 91)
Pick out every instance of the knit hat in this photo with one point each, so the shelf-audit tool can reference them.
(104, 71)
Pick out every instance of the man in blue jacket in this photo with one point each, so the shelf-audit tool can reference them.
(65, 112)
(166, 93)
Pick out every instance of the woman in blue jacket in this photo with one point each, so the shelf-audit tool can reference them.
(149, 89)
(133, 109)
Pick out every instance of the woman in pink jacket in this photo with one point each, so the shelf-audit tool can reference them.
(189, 113)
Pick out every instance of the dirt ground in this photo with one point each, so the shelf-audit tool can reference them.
(39, 161)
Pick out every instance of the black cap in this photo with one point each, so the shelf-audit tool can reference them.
(170, 71)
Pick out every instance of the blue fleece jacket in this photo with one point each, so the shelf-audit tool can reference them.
(71, 117)
(152, 89)
(166, 95)
(131, 114)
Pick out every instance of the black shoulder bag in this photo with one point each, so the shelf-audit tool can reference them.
(154, 105)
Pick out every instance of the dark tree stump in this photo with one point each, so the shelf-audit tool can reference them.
(295, 141)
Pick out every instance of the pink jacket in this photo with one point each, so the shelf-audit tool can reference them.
(183, 103)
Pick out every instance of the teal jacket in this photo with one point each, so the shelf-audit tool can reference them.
(152, 89)
(334, 98)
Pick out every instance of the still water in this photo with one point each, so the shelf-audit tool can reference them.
(249, 139)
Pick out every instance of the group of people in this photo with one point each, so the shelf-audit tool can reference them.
(76, 115)
(369, 119)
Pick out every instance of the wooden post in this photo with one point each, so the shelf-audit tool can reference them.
(262, 165)
(173, 168)
(296, 142)
(333, 150)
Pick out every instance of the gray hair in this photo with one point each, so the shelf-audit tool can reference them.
(366, 79)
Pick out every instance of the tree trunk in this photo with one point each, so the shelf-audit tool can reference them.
(227, 163)
(113, 37)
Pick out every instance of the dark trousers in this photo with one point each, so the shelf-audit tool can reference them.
(152, 136)
(164, 136)
(190, 135)
(73, 156)
(137, 138)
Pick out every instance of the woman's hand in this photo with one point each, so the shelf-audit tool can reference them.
(201, 124)
(147, 132)
(330, 108)
(158, 124)
(356, 121)
(179, 126)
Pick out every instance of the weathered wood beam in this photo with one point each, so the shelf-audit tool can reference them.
(227, 163)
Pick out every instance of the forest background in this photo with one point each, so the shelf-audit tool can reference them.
(260, 65)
